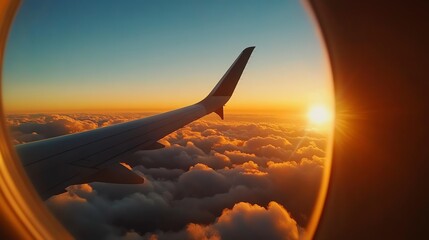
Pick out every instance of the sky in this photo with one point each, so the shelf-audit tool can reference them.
(156, 55)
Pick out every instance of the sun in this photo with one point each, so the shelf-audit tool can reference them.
(319, 114)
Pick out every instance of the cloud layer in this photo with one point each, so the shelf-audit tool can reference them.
(214, 180)
(32, 127)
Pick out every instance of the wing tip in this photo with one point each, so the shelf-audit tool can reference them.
(248, 50)
(228, 82)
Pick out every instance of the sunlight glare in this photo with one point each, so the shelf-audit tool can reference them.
(319, 114)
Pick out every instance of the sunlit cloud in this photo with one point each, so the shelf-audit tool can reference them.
(209, 175)
(273, 222)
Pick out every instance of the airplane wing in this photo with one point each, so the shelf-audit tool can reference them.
(93, 156)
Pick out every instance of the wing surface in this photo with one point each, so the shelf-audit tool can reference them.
(91, 156)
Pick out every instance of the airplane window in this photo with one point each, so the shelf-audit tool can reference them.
(172, 119)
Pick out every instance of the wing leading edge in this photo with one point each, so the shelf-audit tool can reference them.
(94, 156)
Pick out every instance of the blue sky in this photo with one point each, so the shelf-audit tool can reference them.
(121, 55)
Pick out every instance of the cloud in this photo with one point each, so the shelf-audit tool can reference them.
(32, 127)
(202, 181)
(75, 201)
(212, 180)
(246, 221)
(55, 125)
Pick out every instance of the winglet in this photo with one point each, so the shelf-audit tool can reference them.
(219, 112)
(223, 90)
(227, 84)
